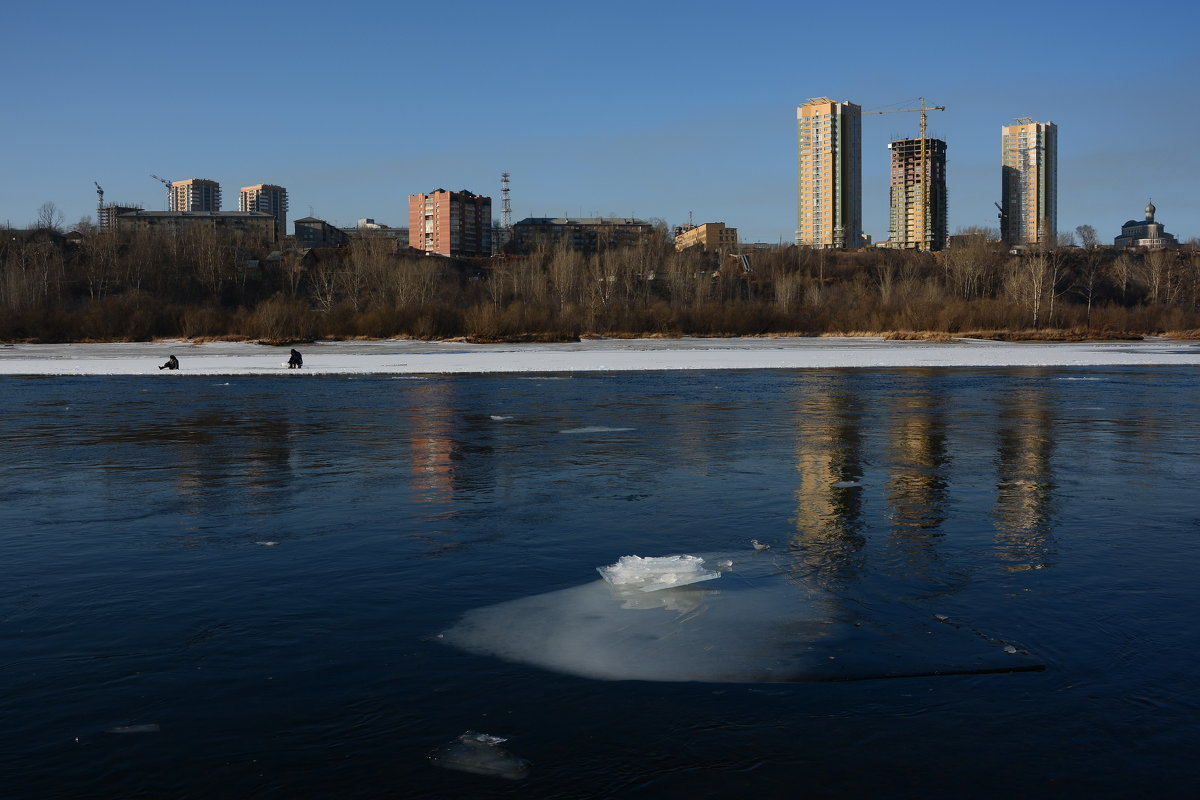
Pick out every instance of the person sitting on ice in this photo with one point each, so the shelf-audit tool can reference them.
(296, 361)
(172, 363)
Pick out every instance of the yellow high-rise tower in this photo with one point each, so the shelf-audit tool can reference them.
(829, 177)
(1029, 182)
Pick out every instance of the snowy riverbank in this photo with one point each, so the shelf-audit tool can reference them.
(418, 357)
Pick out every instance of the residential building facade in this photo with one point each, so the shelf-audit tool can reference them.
(196, 194)
(313, 232)
(247, 228)
(266, 198)
(829, 177)
(448, 223)
(585, 234)
(917, 216)
(1029, 183)
(712, 236)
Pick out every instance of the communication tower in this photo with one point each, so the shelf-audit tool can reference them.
(505, 203)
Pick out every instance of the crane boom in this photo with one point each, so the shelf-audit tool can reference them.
(924, 165)
(166, 183)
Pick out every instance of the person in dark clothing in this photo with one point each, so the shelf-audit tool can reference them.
(296, 361)
(172, 363)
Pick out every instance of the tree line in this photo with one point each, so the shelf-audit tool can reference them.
(133, 286)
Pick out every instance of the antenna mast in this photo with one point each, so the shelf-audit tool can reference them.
(505, 203)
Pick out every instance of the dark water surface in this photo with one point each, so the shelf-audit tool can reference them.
(248, 576)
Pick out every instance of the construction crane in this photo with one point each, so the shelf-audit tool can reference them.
(925, 174)
(170, 194)
(1002, 217)
(99, 204)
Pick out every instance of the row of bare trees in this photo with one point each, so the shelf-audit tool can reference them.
(203, 284)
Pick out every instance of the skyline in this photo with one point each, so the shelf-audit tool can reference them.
(627, 111)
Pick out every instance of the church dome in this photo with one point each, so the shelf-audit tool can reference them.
(1150, 209)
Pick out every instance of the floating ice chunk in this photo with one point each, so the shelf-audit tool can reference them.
(596, 429)
(150, 727)
(481, 754)
(848, 485)
(501, 417)
(656, 572)
(267, 544)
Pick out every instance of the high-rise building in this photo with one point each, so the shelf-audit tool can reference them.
(917, 219)
(197, 194)
(266, 198)
(829, 174)
(1029, 182)
(450, 223)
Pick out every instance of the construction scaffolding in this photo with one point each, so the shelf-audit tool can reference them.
(918, 203)
(918, 209)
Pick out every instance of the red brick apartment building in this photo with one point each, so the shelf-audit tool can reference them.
(450, 223)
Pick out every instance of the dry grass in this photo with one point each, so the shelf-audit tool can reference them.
(1051, 335)
(919, 336)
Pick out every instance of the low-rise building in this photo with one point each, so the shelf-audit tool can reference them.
(1147, 234)
(370, 228)
(313, 232)
(586, 235)
(713, 236)
(250, 228)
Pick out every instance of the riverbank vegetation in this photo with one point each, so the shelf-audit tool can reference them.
(93, 287)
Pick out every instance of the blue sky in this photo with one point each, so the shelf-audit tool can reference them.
(610, 108)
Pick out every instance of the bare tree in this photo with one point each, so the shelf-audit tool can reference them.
(1087, 236)
(49, 217)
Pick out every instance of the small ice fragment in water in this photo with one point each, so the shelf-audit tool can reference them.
(727, 564)
(848, 485)
(500, 417)
(1008, 648)
(940, 617)
(654, 573)
(267, 544)
(150, 727)
(480, 753)
(759, 546)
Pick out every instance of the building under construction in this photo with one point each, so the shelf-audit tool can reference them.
(918, 196)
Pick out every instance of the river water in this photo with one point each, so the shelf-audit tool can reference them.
(251, 586)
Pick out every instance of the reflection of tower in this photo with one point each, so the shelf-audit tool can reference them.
(829, 495)
(432, 447)
(1024, 481)
(917, 481)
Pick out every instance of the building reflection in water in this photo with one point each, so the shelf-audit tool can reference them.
(917, 467)
(828, 543)
(1024, 482)
(432, 447)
